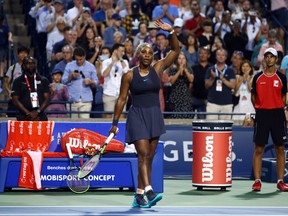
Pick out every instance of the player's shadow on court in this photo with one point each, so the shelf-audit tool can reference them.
(204, 192)
(257, 195)
(132, 211)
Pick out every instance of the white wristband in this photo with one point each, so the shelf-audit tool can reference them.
(171, 32)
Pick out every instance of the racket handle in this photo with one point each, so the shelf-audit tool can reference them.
(69, 151)
(111, 135)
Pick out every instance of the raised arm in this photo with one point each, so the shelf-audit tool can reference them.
(164, 63)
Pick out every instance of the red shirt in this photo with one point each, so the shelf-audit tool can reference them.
(269, 90)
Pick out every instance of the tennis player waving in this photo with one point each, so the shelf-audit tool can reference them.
(145, 121)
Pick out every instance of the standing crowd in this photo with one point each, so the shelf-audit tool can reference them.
(84, 47)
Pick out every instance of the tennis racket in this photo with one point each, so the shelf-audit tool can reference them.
(74, 183)
(92, 163)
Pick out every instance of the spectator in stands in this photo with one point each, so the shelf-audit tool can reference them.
(99, 16)
(108, 22)
(31, 93)
(109, 31)
(179, 31)
(5, 39)
(98, 43)
(251, 26)
(194, 25)
(14, 71)
(147, 7)
(161, 47)
(199, 92)
(166, 12)
(129, 51)
(83, 23)
(284, 66)
(141, 35)
(279, 10)
(112, 71)
(268, 95)
(223, 26)
(272, 42)
(243, 90)
(184, 10)
(190, 49)
(127, 9)
(75, 12)
(104, 54)
(40, 12)
(218, 12)
(55, 36)
(80, 77)
(57, 54)
(151, 38)
(207, 37)
(52, 17)
(146, 116)
(59, 92)
(236, 60)
(181, 79)
(235, 40)
(88, 43)
(210, 9)
(260, 39)
(220, 81)
(242, 11)
(67, 52)
(131, 21)
(217, 44)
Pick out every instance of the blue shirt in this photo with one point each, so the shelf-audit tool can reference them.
(172, 10)
(99, 16)
(40, 15)
(76, 87)
(108, 35)
(60, 66)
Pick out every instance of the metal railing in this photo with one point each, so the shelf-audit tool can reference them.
(69, 111)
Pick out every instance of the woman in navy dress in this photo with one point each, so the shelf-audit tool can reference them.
(145, 121)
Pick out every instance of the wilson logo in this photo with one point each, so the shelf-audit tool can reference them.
(207, 167)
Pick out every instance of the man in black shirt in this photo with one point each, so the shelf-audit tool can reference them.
(31, 93)
(199, 92)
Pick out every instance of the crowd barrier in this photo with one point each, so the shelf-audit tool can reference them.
(116, 170)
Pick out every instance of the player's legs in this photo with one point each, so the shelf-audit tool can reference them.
(280, 156)
(257, 160)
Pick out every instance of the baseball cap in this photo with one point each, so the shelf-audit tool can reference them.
(58, 1)
(56, 70)
(272, 51)
(116, 16)
(178, 22)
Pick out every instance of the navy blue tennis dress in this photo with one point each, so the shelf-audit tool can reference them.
(144, 119)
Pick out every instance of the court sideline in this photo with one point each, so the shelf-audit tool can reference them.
(180, 198)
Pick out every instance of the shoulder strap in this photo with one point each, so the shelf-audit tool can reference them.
(12, 74)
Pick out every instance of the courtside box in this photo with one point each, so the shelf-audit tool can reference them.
(212, 154)
(116, 170)
(269, 170)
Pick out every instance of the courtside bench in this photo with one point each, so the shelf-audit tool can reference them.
(116, 170)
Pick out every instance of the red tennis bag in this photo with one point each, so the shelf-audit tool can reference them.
(83, 140)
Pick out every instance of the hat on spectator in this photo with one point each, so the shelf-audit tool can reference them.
(178, 22)
(272, 51)
(56, 70)
(152, 25)
(86, 10)
(116, 16)
(58, 1)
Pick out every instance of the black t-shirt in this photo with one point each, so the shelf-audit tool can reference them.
(198, 90)
(20, 89)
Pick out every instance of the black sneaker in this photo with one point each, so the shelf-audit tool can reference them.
(153, 198)
(139, 201)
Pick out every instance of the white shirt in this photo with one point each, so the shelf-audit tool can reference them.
(72, 13)
(112, 82)
(252, 30)
(40, 15)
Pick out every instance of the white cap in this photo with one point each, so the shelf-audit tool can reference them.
(272, 51)
(178, 22)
